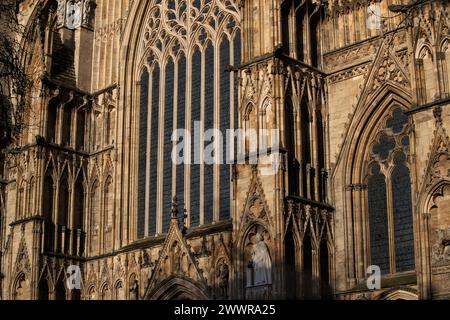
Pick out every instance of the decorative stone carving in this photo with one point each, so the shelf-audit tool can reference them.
(73, 14)
(222, 276)
(261, 263)
(440, 253)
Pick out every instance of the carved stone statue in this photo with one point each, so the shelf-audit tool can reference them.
(223, 274)
(262, 264)
(134, 290)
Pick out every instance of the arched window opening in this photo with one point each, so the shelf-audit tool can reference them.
(75, 294)
(194, 98)
(80, 130)
(47, 209)
(307, 174)
(119, 291)
(290, 252)
(21, 288)
(445, 67)
(31, 197)
(307, 268)
(293, 165)
(110, 123)
(142, 161)
(389, 198)
(108, 220)
(97, 130)
(321, 157)
(154, 134)
(94, 227)
(78, 210)
(168, 130)
(314, 38)
(66, 128)
(43, 291)
(21, 201)
(300, 30)
(63, 214)
(324, 270)
(60, 291)
(403, 219)
(379, 236)
(52, 115)
(195, 178)
(286, 10)
(106, 293)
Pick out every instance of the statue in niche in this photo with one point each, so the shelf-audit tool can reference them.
(176, 259)
(134, 290)
(261, 262)
(223, 274)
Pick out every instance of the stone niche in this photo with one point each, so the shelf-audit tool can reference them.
(440, 242)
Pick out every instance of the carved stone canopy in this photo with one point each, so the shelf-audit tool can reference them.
(74, 14)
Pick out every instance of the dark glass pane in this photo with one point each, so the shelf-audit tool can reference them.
(81, 122)
(384, 146)
(51, 120)
(143, 119)
(403, 219)
(66, 125)
(405, 141)
(225, 124)
(398, 121)
(154, 129)
(181, 117)
(78, 203)
(237, 61)
(209, 124)
(168, 130)
(195, 117)
(379, 237)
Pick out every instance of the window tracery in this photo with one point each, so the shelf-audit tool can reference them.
(186, 48)
(389, 197)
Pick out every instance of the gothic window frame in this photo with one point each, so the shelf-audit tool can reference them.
(168, 35)
(387, 166)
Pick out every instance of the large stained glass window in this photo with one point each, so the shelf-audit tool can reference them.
(389, 198)
(186, 83)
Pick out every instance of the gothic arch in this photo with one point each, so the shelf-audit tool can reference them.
(353, 160)
(363, 127)
(178, 288)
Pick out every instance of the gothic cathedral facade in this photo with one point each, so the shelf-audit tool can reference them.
(360, 96)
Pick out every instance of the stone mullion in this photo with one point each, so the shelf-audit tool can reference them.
(217, 143)
(58, 129)
(315, 148)
(315, 268)
(365, 225)
(359, 243)
(87, 222)
(202, 130)
(160, 161)
(390, 213)
(175, 124)
(188, 126)
(56, 187)
(70, 231)
(348, 231)
(425, 278)
(280, 180)
(147, 160)
(442, 77)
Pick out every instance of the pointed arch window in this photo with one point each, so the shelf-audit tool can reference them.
(186, 85)
(389, 198)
